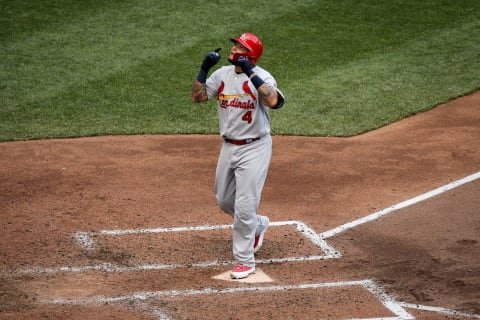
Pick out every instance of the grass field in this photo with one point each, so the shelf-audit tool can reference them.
(83, 68)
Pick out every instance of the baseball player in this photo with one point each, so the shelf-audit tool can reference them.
(244, 92)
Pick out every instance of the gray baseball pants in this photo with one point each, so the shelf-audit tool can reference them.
(239, 180)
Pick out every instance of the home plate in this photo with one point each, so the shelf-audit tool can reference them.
(257, 277)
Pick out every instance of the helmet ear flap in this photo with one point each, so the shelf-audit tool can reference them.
(245, 55)
(235, 57)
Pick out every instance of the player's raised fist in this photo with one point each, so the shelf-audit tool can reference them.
(211, 59)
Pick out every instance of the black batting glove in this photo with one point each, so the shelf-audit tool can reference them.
(247, 68)
(244, 63)
(209, 61)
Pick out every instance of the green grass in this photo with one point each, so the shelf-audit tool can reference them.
(83, 68)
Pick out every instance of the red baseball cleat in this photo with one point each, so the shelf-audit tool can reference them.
(241, 271)
(259, 240)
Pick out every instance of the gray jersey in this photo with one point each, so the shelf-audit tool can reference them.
(241, 113)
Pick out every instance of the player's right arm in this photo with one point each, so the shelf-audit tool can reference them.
(199, 90)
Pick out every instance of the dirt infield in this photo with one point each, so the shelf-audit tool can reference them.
(127, 227)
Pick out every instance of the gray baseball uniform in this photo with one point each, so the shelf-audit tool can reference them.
(245, 155)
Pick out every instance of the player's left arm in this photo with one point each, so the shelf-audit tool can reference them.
(270, 96)
(267, 91)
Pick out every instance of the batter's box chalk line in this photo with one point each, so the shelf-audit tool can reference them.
(87, 242)
(140, 299)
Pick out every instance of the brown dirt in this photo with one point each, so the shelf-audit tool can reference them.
(427, 254)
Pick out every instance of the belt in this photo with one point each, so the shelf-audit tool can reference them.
(241, 142)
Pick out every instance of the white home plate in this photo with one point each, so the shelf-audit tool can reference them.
(257, 277)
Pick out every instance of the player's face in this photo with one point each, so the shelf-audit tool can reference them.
(237, 48)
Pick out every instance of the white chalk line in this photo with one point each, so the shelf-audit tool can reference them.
(141, 297)
(150, 310)
(401, 205)
(145, 295)
(111, 267)
(87, 242)
(439, 310)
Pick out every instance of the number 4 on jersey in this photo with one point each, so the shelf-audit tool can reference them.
(247, 117)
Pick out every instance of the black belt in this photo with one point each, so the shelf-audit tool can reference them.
(241, 142)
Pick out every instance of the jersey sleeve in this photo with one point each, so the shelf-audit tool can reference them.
(281, 99)
(212, 84)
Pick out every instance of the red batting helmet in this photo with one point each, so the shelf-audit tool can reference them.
(252, 43)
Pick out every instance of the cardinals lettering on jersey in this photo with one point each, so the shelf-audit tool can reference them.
(235, 100)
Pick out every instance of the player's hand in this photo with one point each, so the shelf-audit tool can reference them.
(244, 63)
(211, 59)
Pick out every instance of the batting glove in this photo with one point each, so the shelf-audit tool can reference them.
(247, 68)
(244, 63)
(209, 61)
